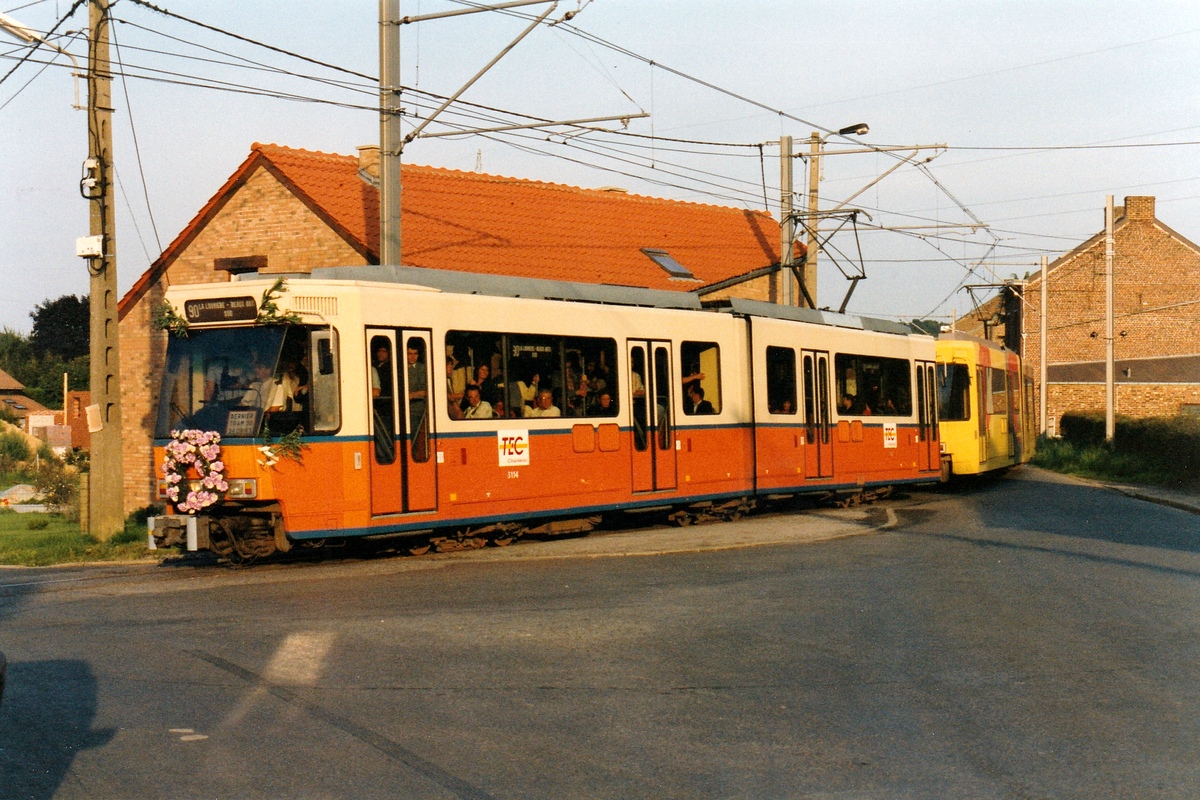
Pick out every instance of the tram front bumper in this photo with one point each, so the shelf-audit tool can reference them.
(174, 529)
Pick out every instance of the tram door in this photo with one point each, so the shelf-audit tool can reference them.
(403, 471)
(928, 453)
(652, 401)
(818, 455)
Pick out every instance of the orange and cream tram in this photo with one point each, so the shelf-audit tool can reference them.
(458, 409)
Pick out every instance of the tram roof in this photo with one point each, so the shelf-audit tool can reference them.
(757, 308)
(504, 286)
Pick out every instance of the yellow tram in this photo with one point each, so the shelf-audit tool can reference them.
(985, 406)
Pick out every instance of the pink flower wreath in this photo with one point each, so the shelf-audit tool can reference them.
(201, 450)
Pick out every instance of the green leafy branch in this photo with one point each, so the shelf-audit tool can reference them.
(290, 445)
(168, 319)
(268, 309)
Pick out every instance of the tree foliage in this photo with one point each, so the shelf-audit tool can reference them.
(61, 327)
(41, 373)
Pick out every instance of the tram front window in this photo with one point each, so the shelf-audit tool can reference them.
(237, 382)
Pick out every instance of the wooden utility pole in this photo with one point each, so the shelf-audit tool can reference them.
(106, 507)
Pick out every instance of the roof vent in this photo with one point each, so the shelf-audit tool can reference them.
(669, 265)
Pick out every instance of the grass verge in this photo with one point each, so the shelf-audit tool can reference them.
(38, 540)
(1102, 462)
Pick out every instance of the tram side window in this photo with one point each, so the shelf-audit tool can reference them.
(999, 404)
(512, 376)
(781, 380)
(954, 392)
(321, 363)
(873, 385)
(701, 365)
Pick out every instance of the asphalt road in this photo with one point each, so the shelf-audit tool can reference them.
(1032, 638)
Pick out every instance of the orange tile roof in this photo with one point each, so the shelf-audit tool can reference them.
(510, 226)
(10, 384)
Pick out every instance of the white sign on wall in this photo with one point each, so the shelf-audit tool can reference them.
(513, 448)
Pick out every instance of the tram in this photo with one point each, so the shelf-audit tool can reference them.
(985, 406)
(449, 409)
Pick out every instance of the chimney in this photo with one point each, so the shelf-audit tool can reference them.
(1139, 208)
(368, 161)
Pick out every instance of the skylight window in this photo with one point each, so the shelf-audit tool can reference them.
(669, 265)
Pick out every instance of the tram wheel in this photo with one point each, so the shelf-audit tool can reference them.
(418, 548)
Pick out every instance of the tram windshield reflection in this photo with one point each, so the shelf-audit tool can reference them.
(233, 380)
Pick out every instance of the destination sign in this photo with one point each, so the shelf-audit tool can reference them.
(221, 309)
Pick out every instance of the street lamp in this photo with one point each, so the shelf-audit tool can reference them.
(30, 36)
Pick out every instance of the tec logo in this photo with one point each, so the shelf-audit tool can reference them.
(512, 447)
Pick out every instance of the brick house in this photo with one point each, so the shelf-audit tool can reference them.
(1156, 312)
(286, 210)
(14, 401)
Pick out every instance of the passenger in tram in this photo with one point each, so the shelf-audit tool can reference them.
(689, 382)
(528, 391)
(418, 389)
(382, 384)
(261, 390)
(489, 390)
(604, 405)
(699, 404)
(456, 388)
(545, 406)
(477, 408)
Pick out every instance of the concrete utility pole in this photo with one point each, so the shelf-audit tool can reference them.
(787, 223)
(809, 285)
(1045, 356)
(1110, 388)
(390, 134)
(106, 508)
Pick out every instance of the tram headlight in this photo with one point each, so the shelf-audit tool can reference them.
(242, 488)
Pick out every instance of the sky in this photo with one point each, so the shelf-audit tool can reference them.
(1044, 107)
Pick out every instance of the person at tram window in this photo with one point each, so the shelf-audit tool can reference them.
(604, 406)
(689, 381)
(456, 387)
(418, 385)
(381, 383)
(849, 404)
(699, 404)
(261, 391)
(528, 390)
(477, 407)
(545, 406)
(489, 390)
(284, 394)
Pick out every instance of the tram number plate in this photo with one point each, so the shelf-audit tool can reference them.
(221, 309)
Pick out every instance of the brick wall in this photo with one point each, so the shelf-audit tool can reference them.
(1133, 399)
(262, 218)
(1155, 270)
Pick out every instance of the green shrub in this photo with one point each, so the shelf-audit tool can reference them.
(1164, 450)
(37, 522)
(13, 447)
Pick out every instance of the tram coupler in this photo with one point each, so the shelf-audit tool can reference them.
(170, 530)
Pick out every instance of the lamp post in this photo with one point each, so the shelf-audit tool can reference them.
(808, 286)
